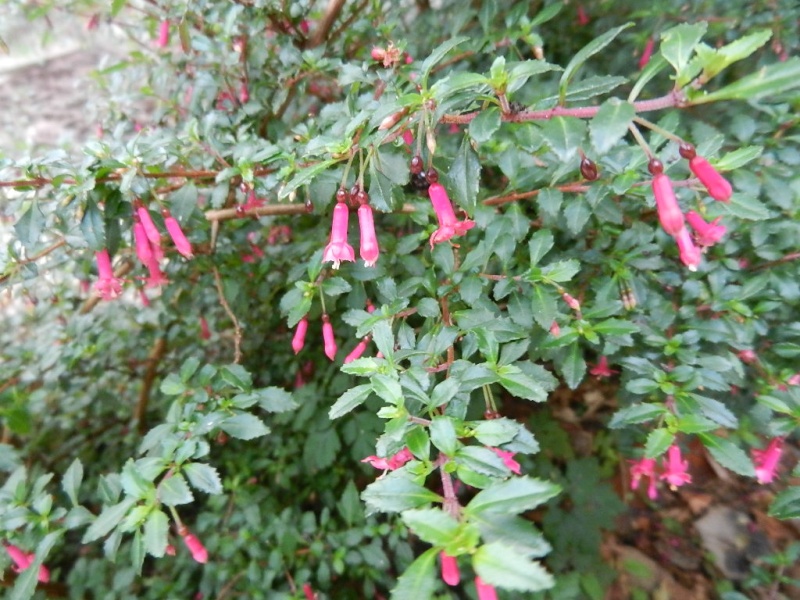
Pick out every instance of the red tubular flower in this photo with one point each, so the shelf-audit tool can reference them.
(718, 187)
(766, 461)
(176, 233)
(338, 249)
(669, 211)
(601, 369)
(508, 460)
(23, 560)
(708, 234)
(205, 332)
(646, 467)
(676, 469)
(150, 228)
(163, 34)
(368, 247)
(157, 277)
(450, 573)
(143, 250)
(357, 351)
(244, 93)
(327, 337)
(689, 253)
(107, 286)
(647, 53)
(485, 591)
(390, 463)
(196, 548)
(299, 339)
(449, 226)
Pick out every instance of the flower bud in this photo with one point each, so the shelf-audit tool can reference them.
(718, 187)
(589, 169)
(357, 351)
(669, 211)
(647, 53)
(196, 548)
(450, 573)
(182, 244)
(163, 34)
(328, 338)
(485, 591)
(368, 247)
(299, 339)
(689, 253)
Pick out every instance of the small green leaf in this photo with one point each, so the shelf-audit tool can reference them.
(505, 567)
(303, 177)
(384, 338)
(574, 366)
(237, 376)
(577, 213)
(484, 126)
(658, 441)
(771, 80)
(93, 227)
(71, 481)
(481, 460)
(244, 426)
(107, 520)
(29, 226)
(437, 55)
(395, 493)
(174, 490)
(513, 496)
(156, 529)
(589, 50)
(443, 435)
(738, 158)
(203, 477)
(520, 384)
(463, 178)
(610, 124)
(728, 454)
(431, 525)
(543, 306)
(636, 413)
(349, 504)
(351, 399)
(564, 135)
(540, 244)
(678, 43)
(172, 385)
(418, 581)
(387, 388)
(786, 504)
(496, 431)
(274, 399)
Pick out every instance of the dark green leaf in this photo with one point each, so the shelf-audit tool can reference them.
(443, 435)
(464, 176)
(203, 477)
(107, 520)
(352, 398)
(589, 50)
(93, 227)
(71, 481)
(512, 496)
(564, 135)
(29, 226)
(678, 43)
(658, 441)
(636, 413)
(574, 366)
(244, 426)
(776, 78)
(610, 124)
(418, 581)
(728, 454)
(786, 504)
(395, 493)
(505, 567)
(484, 126)
(431, 525)
(174, 490)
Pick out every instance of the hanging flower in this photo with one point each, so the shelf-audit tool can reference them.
(508, 460)
(143, 249)
(766, 461)
(182, 244)
(717, 186)
(645, 467)
(299, 339)
(327, 337)
(357, 351)
(647, 53)
(485, 591)
(449, 225)
(689, 253)
(368, 246)
(149, 226)
(338, 249)
(390, 463)
(107, 286)
(195, 547)
(601, 369)
(23, 560)
(450, 573)
(163, 34)
(669, 211)
(157, 277)
(707, 234)
(675, 469)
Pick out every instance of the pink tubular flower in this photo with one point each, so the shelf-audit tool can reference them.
(338, 249)
(718, 187)
(299, 339)
(107, 286)
(508, 459)
(368, 247)
(308, 591)
(196, 548)
(675, 469)
(176, 233)
(357, 351)
(408, 137)
(205, 332)
(157, 277)
(485, 591)
(449, 226)
(583, 20)
(689, 253)
(23, 560)
(327, 337)
(390, 463)
(794, 379)
(163, 34)
(149, 226)
(708, 234)
(645, 467)
(766, 461)
(450, 573)
(601, 369)
(647, 53)
(143, 249)
(747, 356)
(555, 329)
(669, 211)
(244, 93)
(571, 302)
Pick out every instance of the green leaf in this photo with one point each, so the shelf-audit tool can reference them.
(443, 435)
(237, 376)
(174, 490)
(481, 460)
(636, 413)
(786, 504)
(728, 454)
(418, 581)
(589, 50)
(774, 79)
(29, 226)
(513, 496)
(303, 177)
(484, 126)
(387, 388)
(610, 124)
(25, 585)
(107, 520)
(505, 567)
(574, 366)
(172, 385)
(244, 426)
(203, 477)
(520, 384)
(564, 135)
(658, 441)
(349, 400)
(71, 481)
(496, 431)
(384, 338)
(431, 525)
(395, 493)
(349, 504)
(678, 43)
(274, 399)
(444, 392)
(738, 158)
(653, 68)
(380, 190)
(464, 176)
(539, 245)
(543, 306)
(577, 213)
(156, 529)
(562, 270)
(183, 201)
(93, 227)
(519, 73)
(615, 327)
(714, 61)
(437, 55)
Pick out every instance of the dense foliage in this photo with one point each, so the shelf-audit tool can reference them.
(548, 184)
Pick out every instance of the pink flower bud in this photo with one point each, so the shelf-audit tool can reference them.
(357, 351)
(163, 34)
(327, 337)
(485, 591)
(107, 286)
(675, 469)
(689, 253)
(718, 187)
(244, 93)
(555, 330)
(748, 356)
(149, 225)
(170, 550)
(299, 339)
(647, 53)
(708, 234)
(196, 548)
(308, 591)
(378, 53)
(368, 247)
(143, 250)
(338, 249)
(766, 461)
(450, 573)
(22, 560)
(205, 332)
(571, 302)
(408, 137)
(669, 211)
(449, 226)
(176, 233)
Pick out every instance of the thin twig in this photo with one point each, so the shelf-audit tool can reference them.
(325, 25)
(153, 359)
(237, 329)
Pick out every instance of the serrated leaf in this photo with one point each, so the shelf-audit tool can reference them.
(738, 158)
(574, 366)
(521, 384)
(71, 481)
(562, 270)
(172, 385)
(728, 454)
(481, 460)
(418, 581)
(496, 431)
(384, 338)
(244, 426)
(25, 585)
(540, 243)
(505, 567)
(610, 124)
(395, 493)
(564, 135)
(746, 207)
(156, 528)
(93, 227)
(274, 399)
(431, 525)
(174, 490)
(29, 226)
(678, 43)
(774, 79)
(463, 178)
(203, 477)
(589, 50)
(303, 177)
(443, 435)
(786, 504)
(237, 376)
(636, 413)
(351, 399)
(543, 306)
(380, 190)
(658, 441)
(512, 496)
(108, 518)
(437, 55)
(577, 213)
(484, 126)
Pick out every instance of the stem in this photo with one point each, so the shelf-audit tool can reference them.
(325, 25)
(237, 328)
(640, 140)
(659, 130)
(154, 358)
(450, 503)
